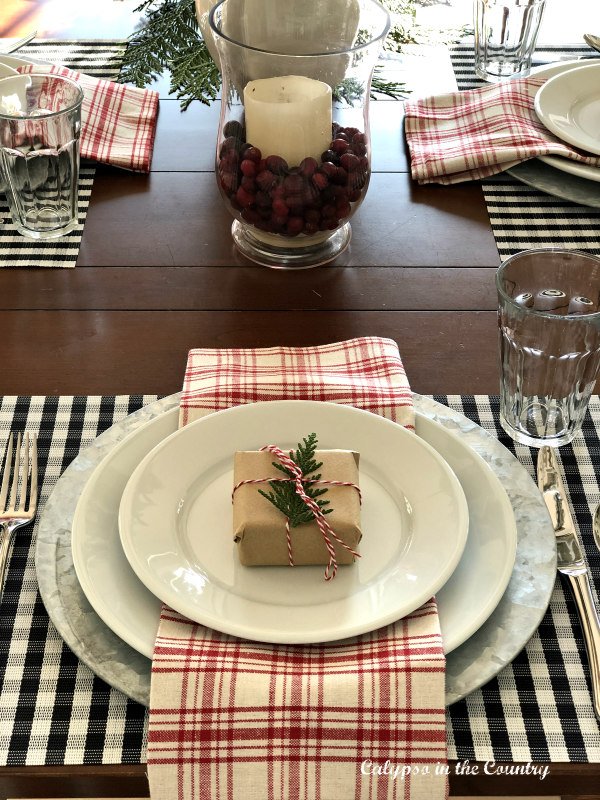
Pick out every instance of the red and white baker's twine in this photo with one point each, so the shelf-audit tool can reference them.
(298, 479)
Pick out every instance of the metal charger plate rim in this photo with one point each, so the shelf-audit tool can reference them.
(468, 667)
(557, 183)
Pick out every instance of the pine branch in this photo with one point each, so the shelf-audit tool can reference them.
(283, 495)
(170, 39)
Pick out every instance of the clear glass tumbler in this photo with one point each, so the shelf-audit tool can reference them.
(40, 121)
(549, 320)
(293, 158)
(505, 37)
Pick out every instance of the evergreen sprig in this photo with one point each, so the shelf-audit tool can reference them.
(283, 495)
(170, 39)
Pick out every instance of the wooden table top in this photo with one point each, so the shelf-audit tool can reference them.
(157, 274)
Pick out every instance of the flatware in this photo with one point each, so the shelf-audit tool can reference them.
(571, 561)
(17, 506)
(593, 41)
(12, 48)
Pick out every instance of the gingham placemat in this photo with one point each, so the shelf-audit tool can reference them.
(103, 60)
(523, 217)
(53, 710)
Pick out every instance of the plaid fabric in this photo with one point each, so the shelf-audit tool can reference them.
(118, 122)
(240, 719)
(479, 132)
(365, 372)
(54, 710)
(522, 217)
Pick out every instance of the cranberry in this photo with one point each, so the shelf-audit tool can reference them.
(320, 180)
(348, 161)
(249, 184)
(244, 197)
(295, 203)
(328, 211)
(310, 228)
(230, 143)
(251, 215)
(280, 207)
(329, 169)
(329, 155)
(354, 195)
(253, 154)
(248, 166)
(340, 177)
(234, 128)
(229, 182)
(293, 183)
(308, 167)
(263, 200)
(339, 146)
(343, 209)
(279, 219)
(294, 226)
(277, 164)
(312, 215)
(265, 179)
(229, 160)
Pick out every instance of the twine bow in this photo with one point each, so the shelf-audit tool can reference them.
(299, 480)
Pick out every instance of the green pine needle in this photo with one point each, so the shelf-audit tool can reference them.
(283, 495)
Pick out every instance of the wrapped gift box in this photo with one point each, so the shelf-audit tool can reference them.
(259, 528)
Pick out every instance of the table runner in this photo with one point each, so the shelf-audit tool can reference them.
(53, 710)
(523, 217)
(101, 59)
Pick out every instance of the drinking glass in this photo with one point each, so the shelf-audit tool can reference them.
(549, 321)
(40, 121)
(505, 36)
(293, 158)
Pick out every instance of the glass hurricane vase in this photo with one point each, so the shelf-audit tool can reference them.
(293, 158)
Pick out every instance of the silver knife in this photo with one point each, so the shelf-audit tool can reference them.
(571, 561)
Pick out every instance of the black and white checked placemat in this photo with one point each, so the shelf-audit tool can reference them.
(522, 217)
(53, 710)
(103, 60)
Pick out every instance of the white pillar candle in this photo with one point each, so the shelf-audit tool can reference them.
(288, 116)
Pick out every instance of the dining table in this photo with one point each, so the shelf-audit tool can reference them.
(88, 341)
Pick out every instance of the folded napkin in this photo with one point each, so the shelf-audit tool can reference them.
(118, 122)
(363, 717)
(480, 132)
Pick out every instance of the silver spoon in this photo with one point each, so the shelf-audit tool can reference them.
(14, 46)
(596, 526)
(592, 41)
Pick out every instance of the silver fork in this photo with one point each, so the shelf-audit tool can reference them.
(17, 508)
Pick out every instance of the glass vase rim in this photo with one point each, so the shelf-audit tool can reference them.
(76, 103)
(577, 317)
(379, 38)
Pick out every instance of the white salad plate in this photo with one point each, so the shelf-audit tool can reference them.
(175, 522)
(568, 104)
(6, 71)
(131, 611)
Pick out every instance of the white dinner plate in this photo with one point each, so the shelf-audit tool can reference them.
(14, 61)
(568, 104)
(565, 164)
(125, 605)
(175, 521)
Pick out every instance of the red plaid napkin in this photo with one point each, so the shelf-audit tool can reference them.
(477, 133)
(364, 717)
(118, 122)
